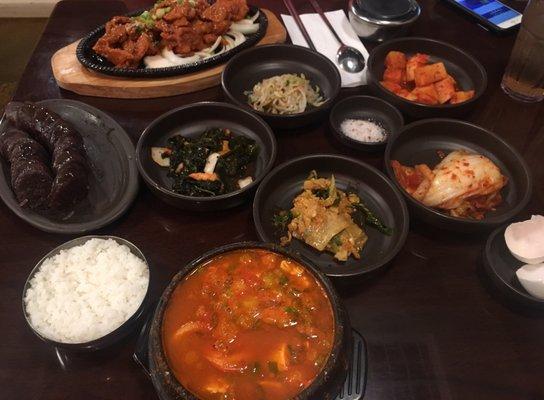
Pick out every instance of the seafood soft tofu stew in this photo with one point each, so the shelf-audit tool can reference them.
(248, 325)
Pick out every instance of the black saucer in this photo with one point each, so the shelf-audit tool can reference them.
(501, 267)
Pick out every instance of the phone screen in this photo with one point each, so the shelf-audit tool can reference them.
(493, 11)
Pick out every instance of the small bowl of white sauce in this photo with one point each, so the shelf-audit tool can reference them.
(365, 122)
(87, 293)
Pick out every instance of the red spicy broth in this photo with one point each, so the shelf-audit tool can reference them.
(248, 325)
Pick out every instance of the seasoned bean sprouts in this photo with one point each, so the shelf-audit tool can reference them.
(284, 94)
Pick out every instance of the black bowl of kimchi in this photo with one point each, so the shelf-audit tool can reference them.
(285, 182)
(429, 142)
(90, 59)
(191, 122)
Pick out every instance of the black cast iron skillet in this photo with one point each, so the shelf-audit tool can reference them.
(325, 386)
(191, 121)
(251, 66)
(86, 55)
(284, 183)
(465, 69)
(420, 142)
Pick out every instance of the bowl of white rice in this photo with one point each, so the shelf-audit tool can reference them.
(365, 122)
(87, 293)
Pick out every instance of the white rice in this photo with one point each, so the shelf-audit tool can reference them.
(363, 130)
(85, 292)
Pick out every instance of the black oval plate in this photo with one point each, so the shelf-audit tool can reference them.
(284, 183)
(86, 55)
(114, 177)
(501, 266)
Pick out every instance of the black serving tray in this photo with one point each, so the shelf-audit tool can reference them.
(353, 389)
(86, 55)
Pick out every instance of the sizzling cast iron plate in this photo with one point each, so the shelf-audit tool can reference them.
(86, 55)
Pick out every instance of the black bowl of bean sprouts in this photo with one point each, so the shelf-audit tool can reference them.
(289, 86)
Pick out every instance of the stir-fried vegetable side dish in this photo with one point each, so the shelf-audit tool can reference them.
(248, 325)
(415, 78)
(215, 163)
(284, 94)
(176, 32)
(328, 219)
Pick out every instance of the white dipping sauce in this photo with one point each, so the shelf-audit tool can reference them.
(363, 130)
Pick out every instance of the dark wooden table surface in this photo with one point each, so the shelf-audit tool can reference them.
(435, 328)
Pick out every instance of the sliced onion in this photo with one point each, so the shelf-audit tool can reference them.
(238, 37)
(177, 60)
(157, 61)
(230, 43)
(214, 46)
(244, 28)
(254, 18)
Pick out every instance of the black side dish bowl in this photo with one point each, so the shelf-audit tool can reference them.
(191, 121)
(113, 337)
(284, 183)
(88, 58)
(326, 385)
(113, 179)
(251, 66)
(420, 142)
(465, 69)
(501, 267)
(366, 108)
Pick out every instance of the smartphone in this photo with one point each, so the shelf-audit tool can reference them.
(491, 14)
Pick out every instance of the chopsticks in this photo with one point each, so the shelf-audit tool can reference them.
(319, 10)
(296, 17)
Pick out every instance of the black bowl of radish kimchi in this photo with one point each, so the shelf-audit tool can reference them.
(249, 321)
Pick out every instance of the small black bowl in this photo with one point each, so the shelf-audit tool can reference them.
(467, 71)
(284, 183)
(191, 121)
(251, 66)
(501, 267)
(368, 108)
(111, 338)
(326, 385)
(420, 142)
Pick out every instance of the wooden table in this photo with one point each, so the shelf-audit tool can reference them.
(434, 326)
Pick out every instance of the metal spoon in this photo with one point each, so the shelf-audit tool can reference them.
(349, 58)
